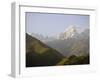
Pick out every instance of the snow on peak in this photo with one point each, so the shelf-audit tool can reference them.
(69, 32)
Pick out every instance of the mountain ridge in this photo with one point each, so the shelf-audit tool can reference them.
(39, 54)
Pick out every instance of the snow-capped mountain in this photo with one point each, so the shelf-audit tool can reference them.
(70, 32)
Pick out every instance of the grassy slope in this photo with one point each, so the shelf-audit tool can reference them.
(39, 54)
(75, 60)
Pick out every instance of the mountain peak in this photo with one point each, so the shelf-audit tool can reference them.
(71, 27)
(69, 32)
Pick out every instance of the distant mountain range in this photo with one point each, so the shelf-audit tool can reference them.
(72, 40)
(70, 32)
(43, 38)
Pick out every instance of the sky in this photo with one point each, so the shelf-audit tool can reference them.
(49, 24)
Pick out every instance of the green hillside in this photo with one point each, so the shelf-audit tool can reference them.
(39, 54)
(75, 60)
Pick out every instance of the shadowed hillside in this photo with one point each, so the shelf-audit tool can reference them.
(39, 54)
